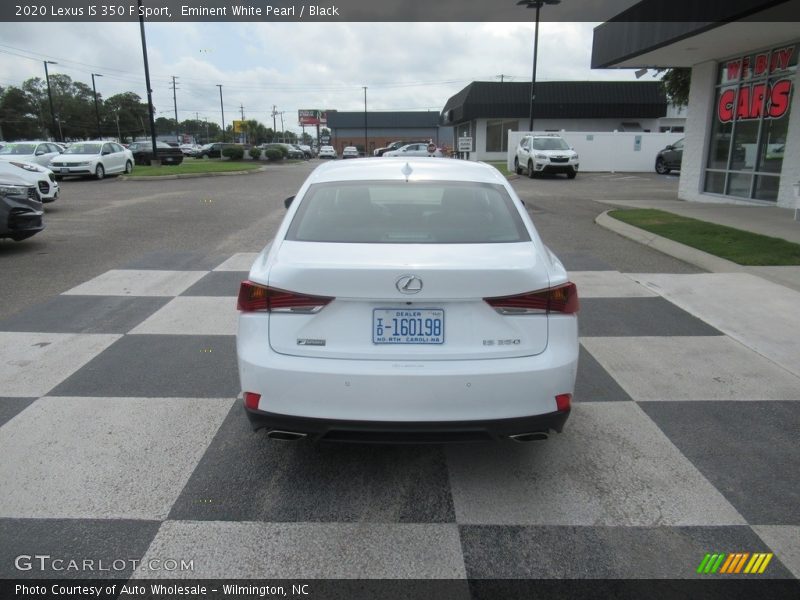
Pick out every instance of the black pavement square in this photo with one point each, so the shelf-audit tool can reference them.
(244, 476)
(519, 552)
(170, 260)
(593, 383)
(218, 283)
(11, 407)
(615, 317)
(84, 314)
(748, 450)
(159, 366)
(95, 540)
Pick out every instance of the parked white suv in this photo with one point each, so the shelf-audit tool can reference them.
(545, 154)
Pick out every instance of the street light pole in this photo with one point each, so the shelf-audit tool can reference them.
(96, 109)
(365, 122)
(50, 96)
(154, 160)
(222, 110)
(537, 4)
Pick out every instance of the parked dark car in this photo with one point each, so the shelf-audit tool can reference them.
(21, 212)
(291, 151)
(143, 153)
(213, 150)
(670, 158)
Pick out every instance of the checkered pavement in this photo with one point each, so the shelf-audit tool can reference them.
(121, 437)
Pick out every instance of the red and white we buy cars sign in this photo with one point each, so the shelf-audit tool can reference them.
(769, 97)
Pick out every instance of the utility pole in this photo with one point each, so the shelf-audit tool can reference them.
(50, 96)
(175, 103)
(283, 139)
(222, 110)
(274, 127)
(96, 110)
(241, 107)
(365, 121)
(154, 160)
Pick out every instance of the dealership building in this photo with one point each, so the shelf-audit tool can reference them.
(486, 111)
(383, 128)
(742, 131)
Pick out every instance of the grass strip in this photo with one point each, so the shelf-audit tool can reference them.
(741, 247)
(194, 166)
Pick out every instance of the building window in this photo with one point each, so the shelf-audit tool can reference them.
(497, 134)
(751, 119)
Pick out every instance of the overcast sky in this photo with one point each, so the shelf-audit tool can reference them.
(406, 66)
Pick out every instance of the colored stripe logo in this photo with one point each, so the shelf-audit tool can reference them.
(735, 563)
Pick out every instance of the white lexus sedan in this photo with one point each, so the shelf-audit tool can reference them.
(407, 300)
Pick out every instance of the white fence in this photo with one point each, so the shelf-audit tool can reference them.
(607, 151)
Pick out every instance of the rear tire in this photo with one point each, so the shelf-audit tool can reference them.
(517, 168)
(661, 167)
(531, 172)
(99, 172)
(128, 168)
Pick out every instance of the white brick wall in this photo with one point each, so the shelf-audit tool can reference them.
(791, 156)
(701, 105)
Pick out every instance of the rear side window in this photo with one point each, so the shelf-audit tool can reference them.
(393, 212)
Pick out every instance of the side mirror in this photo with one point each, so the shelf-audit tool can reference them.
(670, 147)
(288, 202)
(106, 152)
(40, 153)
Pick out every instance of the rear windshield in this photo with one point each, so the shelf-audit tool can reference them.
(397, 212)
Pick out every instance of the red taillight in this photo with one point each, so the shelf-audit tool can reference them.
(562, 298)
(253, 296)
(563, 402)
(251, 400)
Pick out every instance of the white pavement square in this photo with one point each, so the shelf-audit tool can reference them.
(309, 550)
(103, 458)
(612, 465)
(608, 284)
(691, 368)
(31, 364)
(238, 262)
(133, 282)
(762, 315)
(193, 315)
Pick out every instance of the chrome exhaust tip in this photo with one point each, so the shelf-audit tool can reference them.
(285, 436)
(533, 436)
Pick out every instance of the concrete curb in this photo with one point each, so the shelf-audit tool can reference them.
(191, 175)
(693, 256)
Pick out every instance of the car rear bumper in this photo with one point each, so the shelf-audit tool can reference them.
(413, 391)
(409, 432)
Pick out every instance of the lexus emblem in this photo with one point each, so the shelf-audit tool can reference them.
(409, 284)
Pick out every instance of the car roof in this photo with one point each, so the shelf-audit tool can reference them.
(394, 168)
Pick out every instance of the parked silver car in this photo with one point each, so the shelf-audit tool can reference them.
(36, 152)
(93, 158)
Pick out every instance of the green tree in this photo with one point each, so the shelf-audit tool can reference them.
(676, 84)
(129, 112)
(19, 116)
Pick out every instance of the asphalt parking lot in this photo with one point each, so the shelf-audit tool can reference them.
(122, 436)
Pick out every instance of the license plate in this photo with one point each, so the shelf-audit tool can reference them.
(407, 326)
(64, 169)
